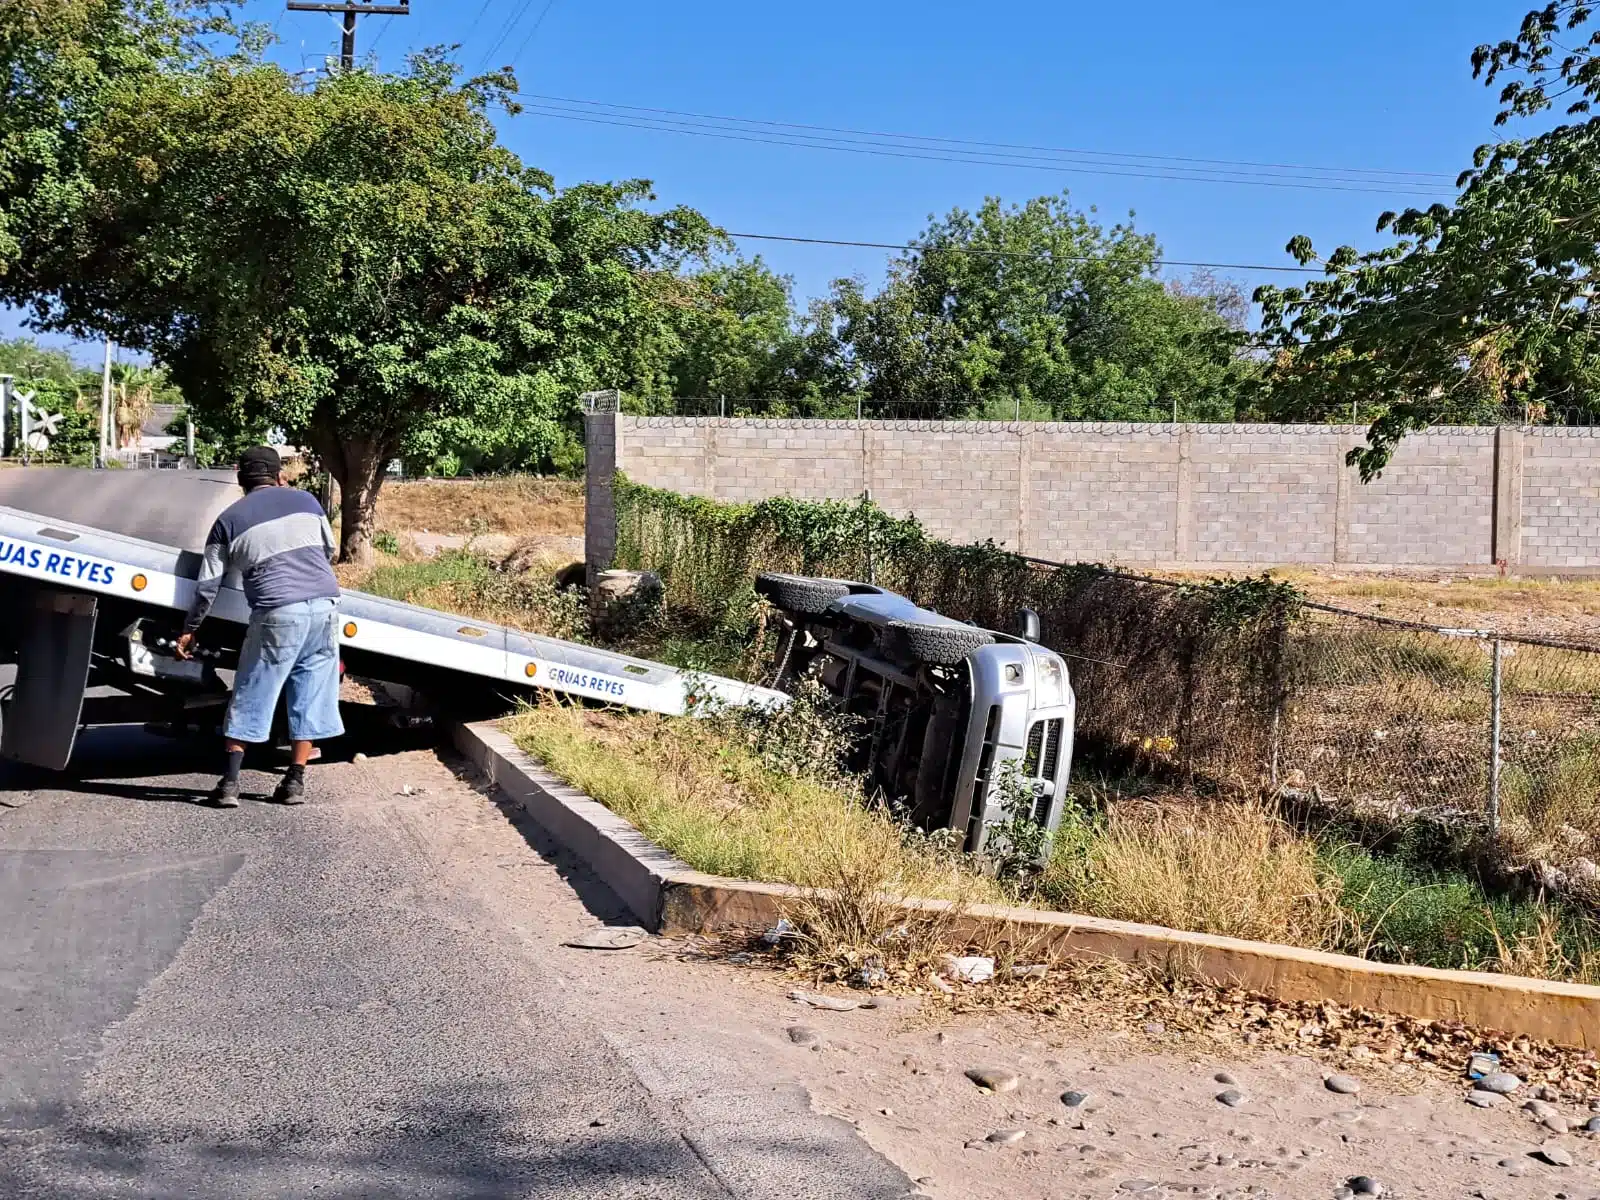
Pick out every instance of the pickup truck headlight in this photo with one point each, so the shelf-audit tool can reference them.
(1050, 682)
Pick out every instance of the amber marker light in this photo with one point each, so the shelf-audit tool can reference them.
(531, 670)
(139, 583)
(349, 629)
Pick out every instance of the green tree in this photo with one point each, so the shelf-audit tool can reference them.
(359, 263)
(60, 62)
(1040, 309)
(1478, 305)
(730, 332)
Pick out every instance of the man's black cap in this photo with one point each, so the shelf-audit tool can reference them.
(259, 465)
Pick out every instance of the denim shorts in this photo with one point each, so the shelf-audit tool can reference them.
(293, 652)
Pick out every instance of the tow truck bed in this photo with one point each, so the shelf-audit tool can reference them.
(61, 580)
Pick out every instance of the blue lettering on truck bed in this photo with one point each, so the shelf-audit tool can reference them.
(58, 566)
(583, 679)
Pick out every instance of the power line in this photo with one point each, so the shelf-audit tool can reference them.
(930, 154)
(527, 41)
(985, 253)
(505, 32)
(1122, 158)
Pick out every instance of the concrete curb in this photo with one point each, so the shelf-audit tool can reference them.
(669, 896)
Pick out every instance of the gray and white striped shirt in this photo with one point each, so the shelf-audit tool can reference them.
(280, 544)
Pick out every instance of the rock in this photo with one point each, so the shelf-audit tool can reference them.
(1233, 1098)
(358, 756)
(1586, 869)
(1592, 1125)
(872, 974)
(599, 1122)
(968, 968)
(996, 1079)
(1484, 1099)
(1498, 1082)
(1555, 1123)
(1155, 1028)
(1555, 1156)
(804, 1035)
(621, 585)
(1545, 1092)
(1539, 1108)
(1366, 1185)
(608, 937)
(1345, 1085)
(826, 1003)
(1223, 1077)
(780, 932)
(1007, 1137)
(1076, 1099)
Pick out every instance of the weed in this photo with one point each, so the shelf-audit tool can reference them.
(385, 542)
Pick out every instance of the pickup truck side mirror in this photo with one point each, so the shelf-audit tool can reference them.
(1028, 624)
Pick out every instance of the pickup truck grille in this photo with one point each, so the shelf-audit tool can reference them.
(1040, 758)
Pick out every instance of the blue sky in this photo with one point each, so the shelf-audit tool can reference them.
(1360, 84)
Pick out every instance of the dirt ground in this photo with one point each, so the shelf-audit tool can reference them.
(517, 506)
(1151, 1125)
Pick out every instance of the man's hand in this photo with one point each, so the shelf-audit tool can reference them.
(184, 646)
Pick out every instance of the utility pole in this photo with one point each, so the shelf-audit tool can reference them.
(108, 434)
(351, 10)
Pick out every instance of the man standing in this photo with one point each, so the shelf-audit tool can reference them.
(279, 542)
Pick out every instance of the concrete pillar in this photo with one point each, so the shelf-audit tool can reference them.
(1024, 484)
(602, 435)
(1183, 519)
(1341, 505)
(1506, 550)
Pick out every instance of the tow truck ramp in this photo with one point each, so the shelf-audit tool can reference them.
(89, 607)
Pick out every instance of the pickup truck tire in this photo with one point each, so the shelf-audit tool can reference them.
(938, 645)
(800, 594)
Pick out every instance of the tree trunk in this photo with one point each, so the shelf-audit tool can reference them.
(358, 463)
(358, 500)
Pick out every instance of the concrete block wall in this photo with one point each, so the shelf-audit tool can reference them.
(1151, 495)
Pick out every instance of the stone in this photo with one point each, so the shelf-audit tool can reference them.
(804, 1035)
(1225, 1079)
(1539, 1108)
(1555, 1156)
(599, 1122)
(1499, 1082)
(358, 756)
(996, 1079)
(1366, 1185)
(1030, 971)
(1345, 1085)
(1007, 1137)
(1556, 1123)
(1155, 1028)
(826, 1003)
(1233, 1098)
(1076, 1099)
(608, 937)
(1545, 1092)
(1592, 1125)
(1484, 1099)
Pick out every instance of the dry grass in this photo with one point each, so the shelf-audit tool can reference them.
(697, 792)
(516, 505)
(1232, 869)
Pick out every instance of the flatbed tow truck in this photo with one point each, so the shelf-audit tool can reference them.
(97, 569)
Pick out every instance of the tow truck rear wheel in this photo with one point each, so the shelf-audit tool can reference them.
(802, 595)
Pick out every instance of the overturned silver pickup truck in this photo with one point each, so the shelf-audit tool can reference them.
(946, 705)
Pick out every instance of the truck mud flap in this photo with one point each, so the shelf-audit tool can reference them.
(39, 721)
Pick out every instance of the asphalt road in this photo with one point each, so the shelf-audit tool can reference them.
(293, 1002)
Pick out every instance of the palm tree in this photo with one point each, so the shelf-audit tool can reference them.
(134, 391)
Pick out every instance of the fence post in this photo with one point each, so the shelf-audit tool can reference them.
(1494, 743)
(866, 520)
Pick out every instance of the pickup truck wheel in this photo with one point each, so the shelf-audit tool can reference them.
(938, 645)
(800, 594)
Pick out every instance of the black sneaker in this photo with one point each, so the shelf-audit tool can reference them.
(291, 790)
(225, 794)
